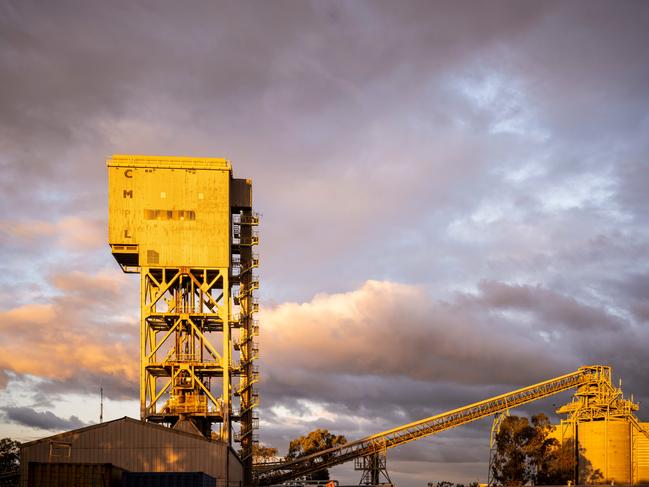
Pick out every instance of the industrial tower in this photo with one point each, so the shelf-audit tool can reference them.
(607, 438)
(188, 228)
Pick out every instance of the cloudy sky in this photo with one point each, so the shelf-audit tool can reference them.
(454, 199)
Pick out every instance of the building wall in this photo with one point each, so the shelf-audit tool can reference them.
(176, 210)
(236, 473)
(137, 447)
(605, 446)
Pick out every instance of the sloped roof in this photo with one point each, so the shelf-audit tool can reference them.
(125, 419)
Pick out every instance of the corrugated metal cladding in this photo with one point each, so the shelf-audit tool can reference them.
(187, 479)
(641, 455)
(73, 474)
(136, 446)
(176, 210)
(605, 446)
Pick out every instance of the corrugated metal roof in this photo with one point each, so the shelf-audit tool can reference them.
(108, 423)
(172, 162)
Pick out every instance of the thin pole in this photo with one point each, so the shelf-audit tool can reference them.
(101, 404)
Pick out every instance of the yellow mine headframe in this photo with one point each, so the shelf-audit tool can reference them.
(187, 227)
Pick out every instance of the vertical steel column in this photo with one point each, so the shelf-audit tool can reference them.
(373, 467)
(495, 429)
(226, 362)
(143, 342)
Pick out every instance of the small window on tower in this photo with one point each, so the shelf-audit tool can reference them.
(171, 215)
(152, 257)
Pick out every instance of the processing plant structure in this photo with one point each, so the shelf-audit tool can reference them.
(609, 437)
(187, 227)
(609, 442)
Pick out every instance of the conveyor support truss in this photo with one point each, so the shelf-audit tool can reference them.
(269, 474)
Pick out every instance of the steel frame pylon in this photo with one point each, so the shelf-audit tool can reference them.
(493, 448)
(185, 354)
(373, 467)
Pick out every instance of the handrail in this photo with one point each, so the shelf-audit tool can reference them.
(267, 474)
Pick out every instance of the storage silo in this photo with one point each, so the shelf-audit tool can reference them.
(605, 448)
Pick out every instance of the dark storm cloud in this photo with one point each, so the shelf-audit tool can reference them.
(45, 420)
(114, 386)
(633, 174)
(641, 311)
(361, 88)
(73, 67)
(635, 286)
(634, 289)
(551, 307)
(503, 334)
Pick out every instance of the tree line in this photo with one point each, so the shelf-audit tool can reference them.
(313, 442)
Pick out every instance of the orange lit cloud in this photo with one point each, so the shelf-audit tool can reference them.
(72, 233)
(391, 329)
(396, 342)
(75, 334)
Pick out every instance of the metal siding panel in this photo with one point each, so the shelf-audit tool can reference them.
(642, 455)
(236, 469)
(241, 193)
(138, 447)
(607, 446)
(177, 242)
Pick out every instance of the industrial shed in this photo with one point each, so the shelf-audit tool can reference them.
(136, 446)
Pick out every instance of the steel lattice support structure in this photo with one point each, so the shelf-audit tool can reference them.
(185, 357)
(374, 468)
(188, 228)
(495, 429)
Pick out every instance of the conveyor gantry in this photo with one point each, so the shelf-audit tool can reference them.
(274, 473)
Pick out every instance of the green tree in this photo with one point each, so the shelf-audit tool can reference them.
(543, 452)
(527, 453)
(316, 441)
(9, 455)
(562, 464)
(510, 466)
(262, 454)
